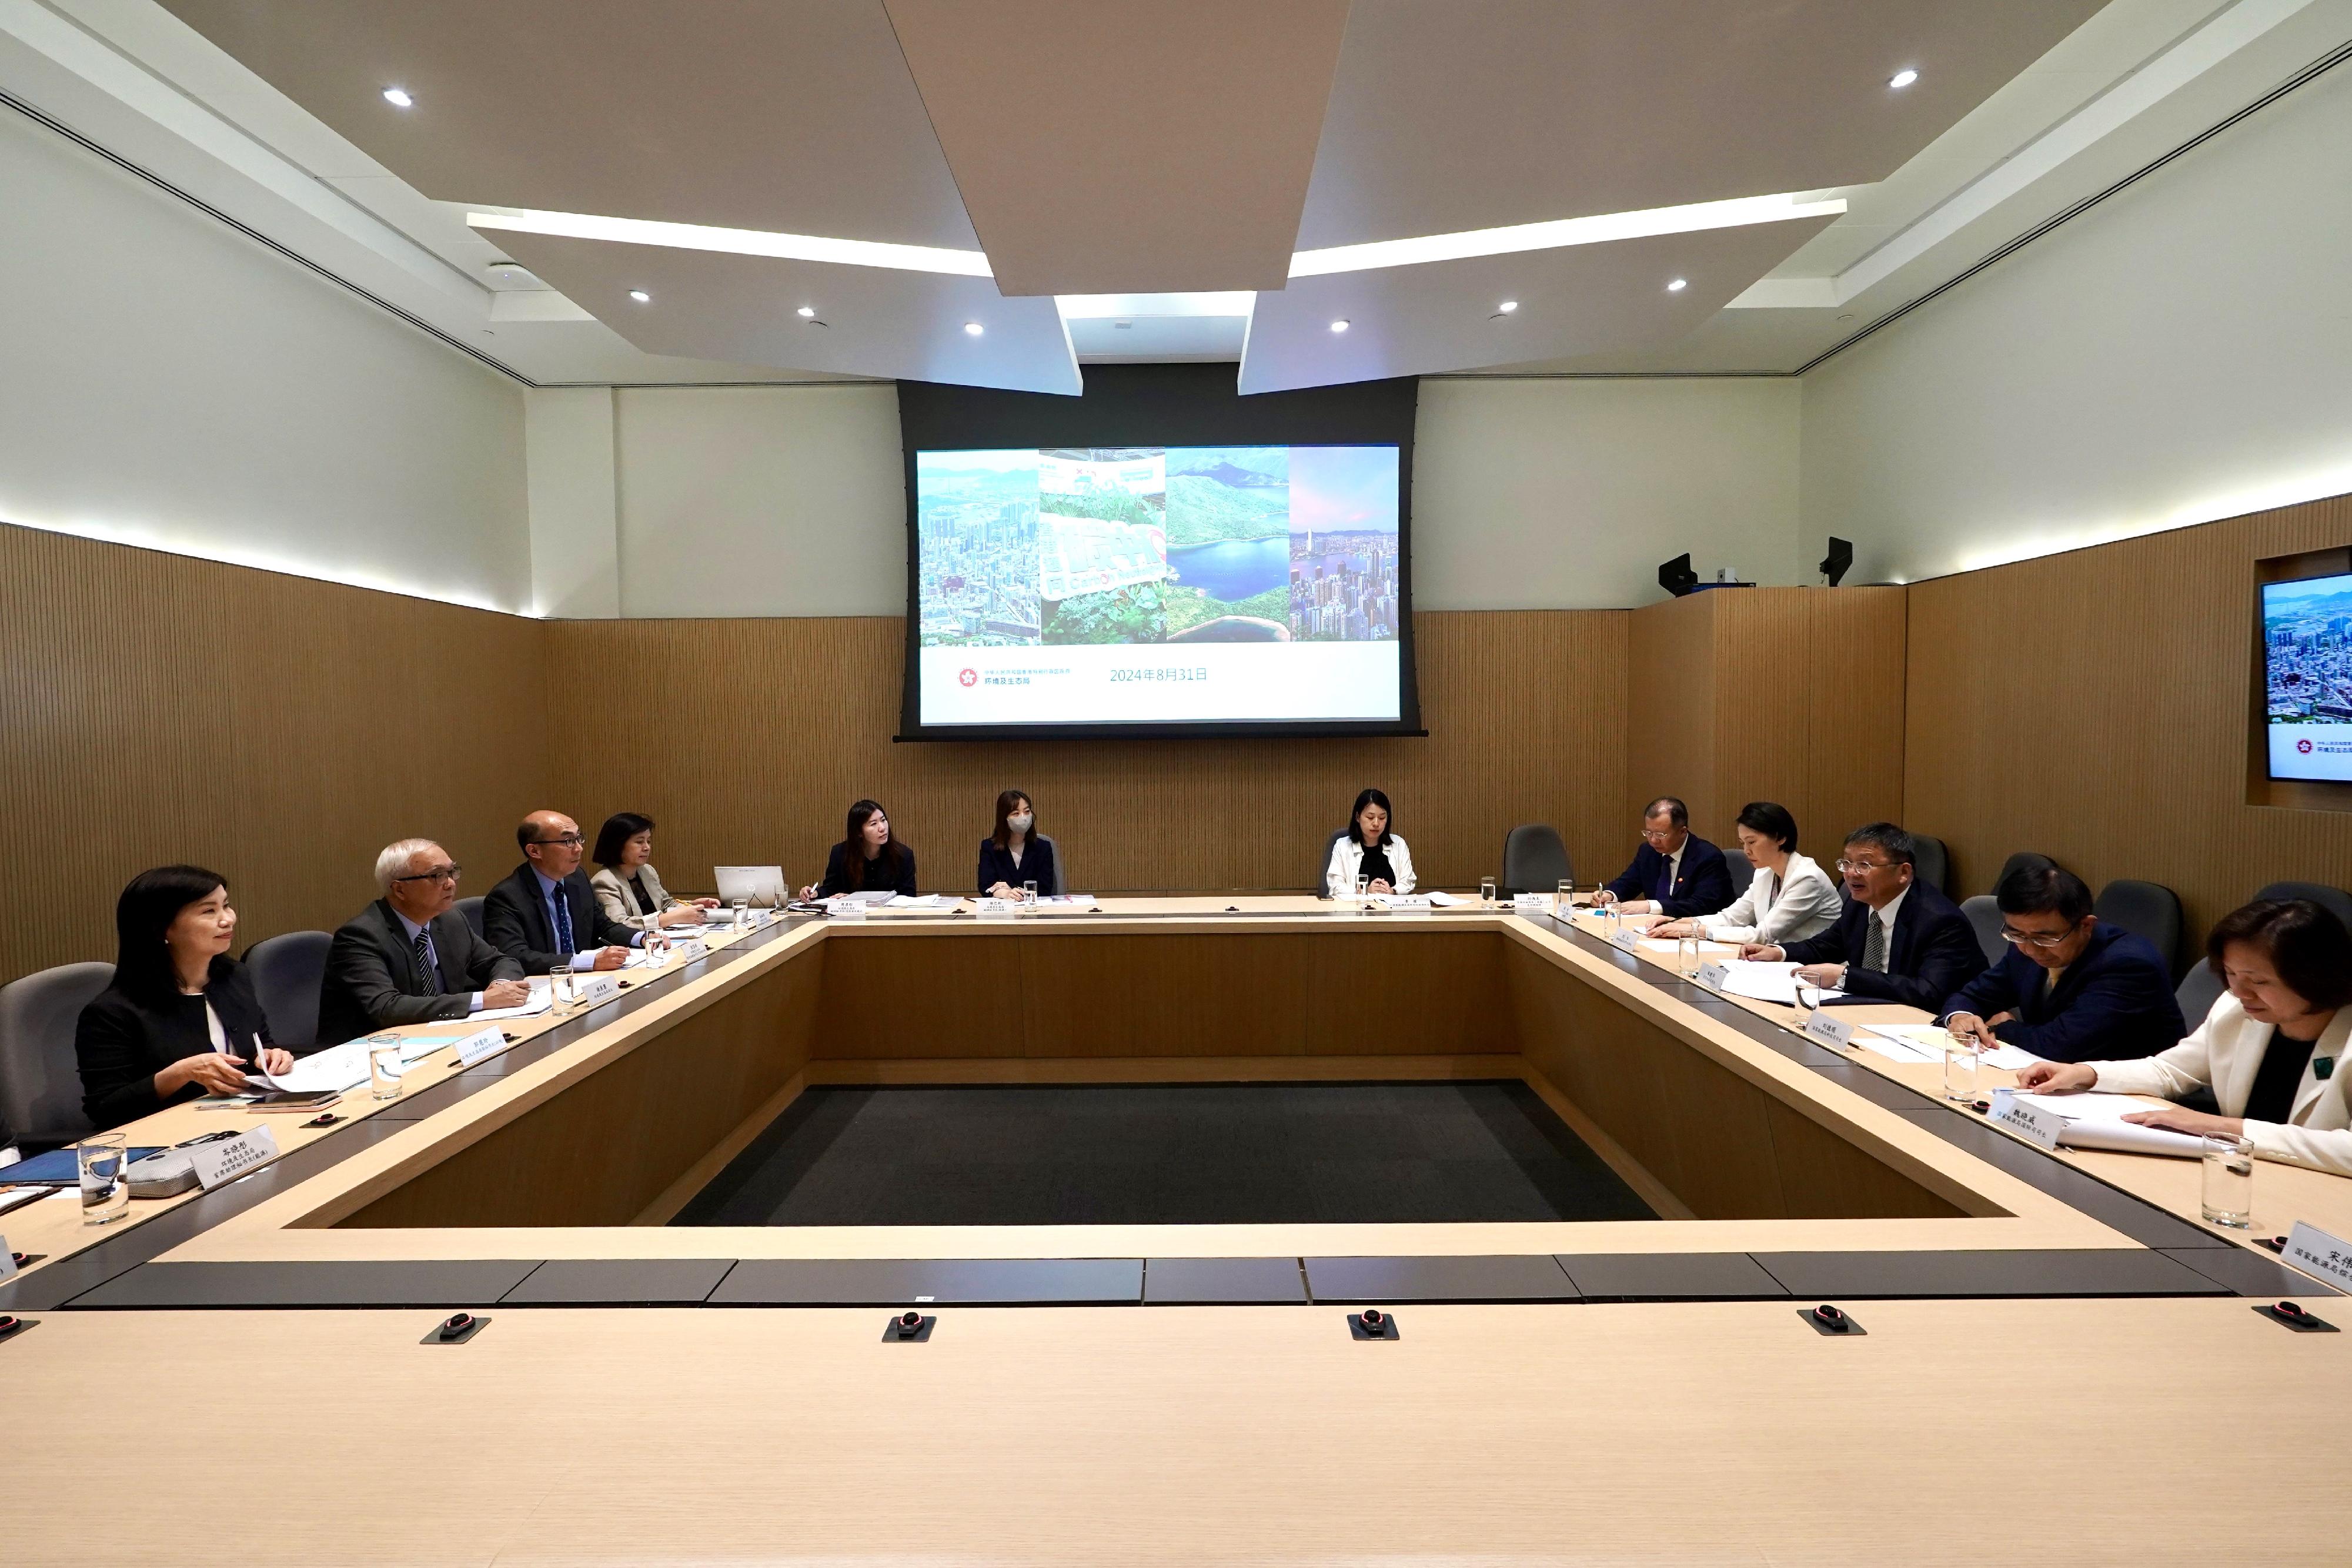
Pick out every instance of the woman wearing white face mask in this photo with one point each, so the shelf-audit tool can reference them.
(1014, 854)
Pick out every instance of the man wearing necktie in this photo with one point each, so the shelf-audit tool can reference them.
(1899, 940)
(545, 916)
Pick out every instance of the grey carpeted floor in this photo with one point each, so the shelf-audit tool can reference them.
(1210, 1154)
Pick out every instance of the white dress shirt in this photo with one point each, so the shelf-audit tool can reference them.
(1802, 902)
(2226, 1051)
(1347, 857)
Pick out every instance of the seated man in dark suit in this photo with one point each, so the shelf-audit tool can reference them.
(546, 915)
(1899, 940)
(1675, 872)
(410, 957)
(2069, 988)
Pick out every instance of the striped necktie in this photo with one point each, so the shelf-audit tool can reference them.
(427, 975)
(1873, 953)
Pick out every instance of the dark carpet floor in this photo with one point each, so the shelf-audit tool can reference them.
(1193, 1154)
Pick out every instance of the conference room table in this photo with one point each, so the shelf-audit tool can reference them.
(2055, 1354)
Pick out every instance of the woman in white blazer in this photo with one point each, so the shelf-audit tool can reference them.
(2272, 1049)
(624, 882)
(1367, 850)
(1790, 898)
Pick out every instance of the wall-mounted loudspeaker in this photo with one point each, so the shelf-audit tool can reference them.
(1840, 560)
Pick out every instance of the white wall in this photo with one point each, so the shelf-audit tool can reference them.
(761, 501)
(164, 380)
(2179, 353)
(1568, 494)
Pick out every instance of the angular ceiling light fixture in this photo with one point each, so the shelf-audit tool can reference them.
(739, 242)
(1736, 212)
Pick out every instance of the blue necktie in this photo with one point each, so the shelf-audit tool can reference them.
(563, 919)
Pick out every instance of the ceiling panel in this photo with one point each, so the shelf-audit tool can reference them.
(1583, 299)
(794, 116)
(1482, 113)
(877, 321)
(1119, 146)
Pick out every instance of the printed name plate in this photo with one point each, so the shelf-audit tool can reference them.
(1714, 976)
(229, 1158)
(2315, 1252)
(2033, 1122)
(481, 1043)
(1836, 1032)
(596, 987)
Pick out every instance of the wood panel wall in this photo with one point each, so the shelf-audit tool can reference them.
(278, 730)
(2094, 706)
(747, 741)
(1793, 694)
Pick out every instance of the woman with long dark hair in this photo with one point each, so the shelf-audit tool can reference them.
(180, 1019)
(1013, 854)
(867, 859)
(1368, 851)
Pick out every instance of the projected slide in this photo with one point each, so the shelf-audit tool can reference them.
(1155, 585)
(2307, 638)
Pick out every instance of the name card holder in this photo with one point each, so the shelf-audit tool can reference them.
(1835, 1032)
(2031, 1122)
(229, 1158)
(2317, 1253)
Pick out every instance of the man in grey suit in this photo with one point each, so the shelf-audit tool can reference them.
(410, 957)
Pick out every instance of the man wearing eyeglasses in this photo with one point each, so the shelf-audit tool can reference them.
(410, 957)
(1675, 872)
(2071, 988)
(546, 917)
(1899, 939)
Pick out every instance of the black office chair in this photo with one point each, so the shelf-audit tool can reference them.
(288, 971)
(2146, 909)
(471, 908)
(1322, 881)
(1743, 872)
(1931, 863)
(2020, 861)
(1984, 916)
(2330, 898)
(1534, 859)
(40, 1080)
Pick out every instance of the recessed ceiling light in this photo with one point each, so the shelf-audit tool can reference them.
(641, 296)
(1508, 306)
(972, 329)
(1903, 78)
(398, 98)
(1339, 326)
(808, 312)
(1678, 284)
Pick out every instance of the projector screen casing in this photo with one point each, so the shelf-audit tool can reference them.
(1159, 406)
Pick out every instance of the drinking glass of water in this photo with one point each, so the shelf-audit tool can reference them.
(105, 1188)
(2229, 1181)
(384, 1069)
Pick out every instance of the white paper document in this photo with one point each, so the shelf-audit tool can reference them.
(1927, 1042)
(2095, 1121)
(539, 1002)
(327, 1071)
(1764, 982)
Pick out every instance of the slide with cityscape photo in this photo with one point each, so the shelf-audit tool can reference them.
(2307, 644)
(1232, 567)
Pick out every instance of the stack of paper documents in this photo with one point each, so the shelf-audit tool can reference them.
(1763, 982)
(2095, 1121)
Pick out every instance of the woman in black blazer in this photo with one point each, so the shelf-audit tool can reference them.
(180, 1019)
(1014, 854)
(867, 859)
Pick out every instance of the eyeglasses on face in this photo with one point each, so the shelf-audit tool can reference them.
(2036, 938)
(438, 874)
